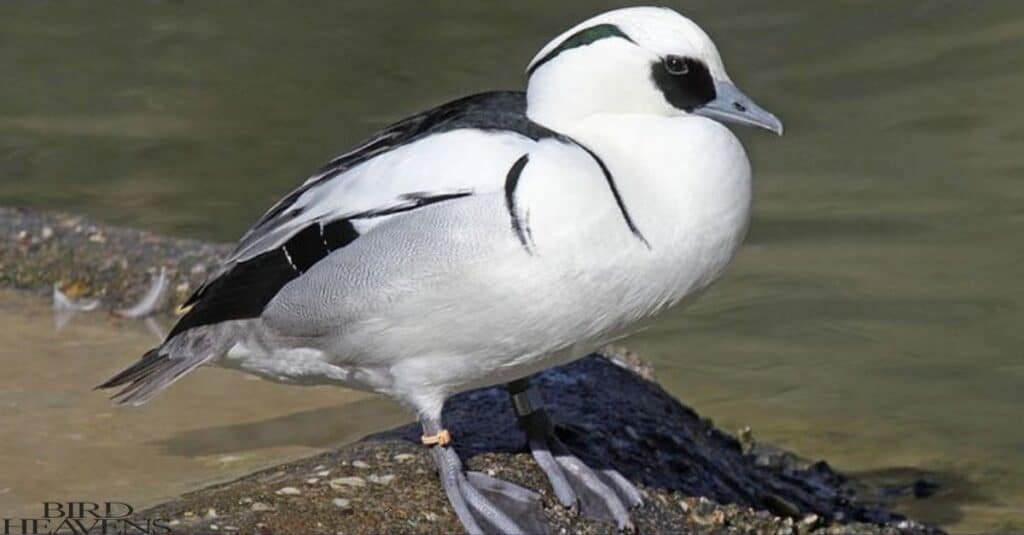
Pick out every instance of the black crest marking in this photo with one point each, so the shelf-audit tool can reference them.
(583, 37)
(519, 225)
(685, 82)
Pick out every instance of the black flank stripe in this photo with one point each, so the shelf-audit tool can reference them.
(338, 234)
(306, 248)
(240, 293)
(511, 181)
(244, 291)
(618, 198)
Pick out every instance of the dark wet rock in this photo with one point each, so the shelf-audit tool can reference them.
(698, 479)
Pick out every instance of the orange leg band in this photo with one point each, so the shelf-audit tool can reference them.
(442, 438)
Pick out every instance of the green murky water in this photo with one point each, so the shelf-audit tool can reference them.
(874, 318)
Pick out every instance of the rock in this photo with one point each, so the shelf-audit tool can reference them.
(381, 480)
(404, 457)
(258, 507)
(288, 491)
(341, 503)
(360, 464)
(344, 482)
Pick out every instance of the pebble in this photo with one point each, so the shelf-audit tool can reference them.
(323, 473)
(46, 233)
(342, 482)
(360, 464)
(312, 481)
(404, 457)
(257, 507)
(288, 491)
(381, 480)
(341, 503)
(810, 520)
(210, 513)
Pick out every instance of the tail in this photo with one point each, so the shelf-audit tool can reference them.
(165, 364)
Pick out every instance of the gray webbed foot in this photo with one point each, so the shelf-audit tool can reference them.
(602, 494)
(482, 503)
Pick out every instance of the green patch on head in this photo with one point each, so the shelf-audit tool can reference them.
(583, 37)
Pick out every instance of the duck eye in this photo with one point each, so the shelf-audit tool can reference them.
(676, 66)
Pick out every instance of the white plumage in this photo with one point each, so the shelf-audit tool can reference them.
(492, 237)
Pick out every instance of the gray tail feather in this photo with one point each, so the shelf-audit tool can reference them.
(162, 365)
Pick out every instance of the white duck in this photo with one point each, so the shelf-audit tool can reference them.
(489, 238)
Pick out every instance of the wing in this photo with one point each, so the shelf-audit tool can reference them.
(447, 267)
(466, 147)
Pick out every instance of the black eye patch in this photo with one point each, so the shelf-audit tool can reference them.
(685, 82)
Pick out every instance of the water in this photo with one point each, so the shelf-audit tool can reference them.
(872, 319)
(64, 441)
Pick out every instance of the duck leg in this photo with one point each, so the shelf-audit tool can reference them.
(603, 494)
(482, 503)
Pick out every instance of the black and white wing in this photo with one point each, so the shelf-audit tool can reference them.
(461, 148)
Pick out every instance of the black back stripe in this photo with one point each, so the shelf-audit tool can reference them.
(583, 37)
(493, 111)
(618, 197)
(410, 201)
(519, 225)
